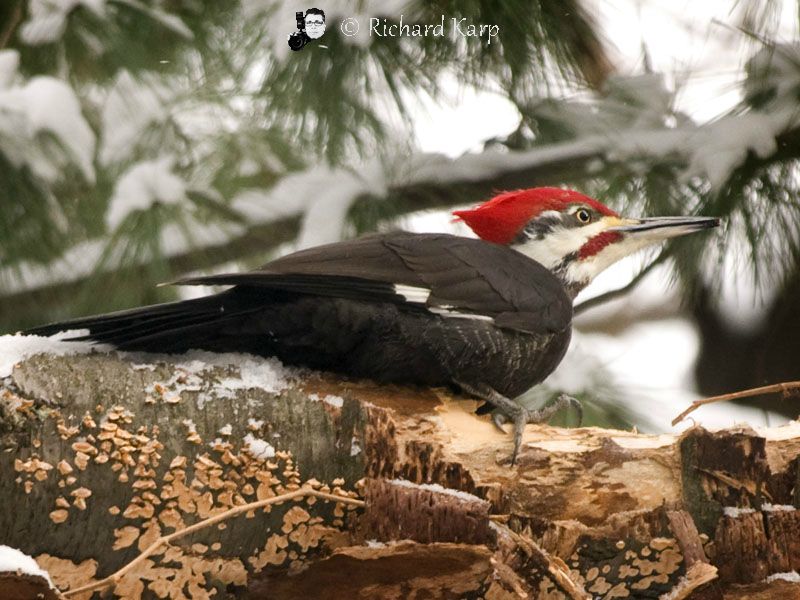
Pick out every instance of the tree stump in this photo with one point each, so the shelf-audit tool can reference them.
(105, 453)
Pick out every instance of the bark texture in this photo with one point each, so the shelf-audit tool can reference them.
(102, 454)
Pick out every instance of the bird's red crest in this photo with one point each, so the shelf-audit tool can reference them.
(500, 219)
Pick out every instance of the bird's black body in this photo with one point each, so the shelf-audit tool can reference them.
(429, 309)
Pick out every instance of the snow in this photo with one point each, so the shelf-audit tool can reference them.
(227, 429)
(336, 401)
(143, 185)
(132, 106)
(258, 447)
(704, 62)
(47, 20)
(45, 104)
(322, 194)
(710, 150)
(439, 124)
(16, 348)
(193, 369)
(267, 374)
(736, 512)
(14, 561)
(435, 487)
(254, 372)
(9, 63)
(791, 576)
(719, 147)
(81, 260)
(767, 507)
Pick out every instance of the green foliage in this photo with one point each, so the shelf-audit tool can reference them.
(208, 85)
(200, 81)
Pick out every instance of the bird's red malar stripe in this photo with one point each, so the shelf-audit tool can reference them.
(597, 243)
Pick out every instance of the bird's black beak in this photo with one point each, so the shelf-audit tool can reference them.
(661, 228)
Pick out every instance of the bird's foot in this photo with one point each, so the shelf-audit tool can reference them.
(507, 409)
(541, 415)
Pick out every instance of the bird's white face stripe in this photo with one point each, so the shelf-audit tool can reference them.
(417, 295)
(561, 242)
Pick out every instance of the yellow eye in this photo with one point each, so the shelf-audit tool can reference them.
(583, 215)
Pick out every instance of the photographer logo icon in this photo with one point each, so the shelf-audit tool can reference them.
(311, 27)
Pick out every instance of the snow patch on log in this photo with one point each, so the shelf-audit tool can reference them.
(16, 348)
(435, 487)
(791, 576)
(14, 561)
(258, 447)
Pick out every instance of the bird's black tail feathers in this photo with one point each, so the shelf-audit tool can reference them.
(169, 327)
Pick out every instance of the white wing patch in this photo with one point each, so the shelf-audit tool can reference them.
(412, 293)
(419, 295)
(449, 313)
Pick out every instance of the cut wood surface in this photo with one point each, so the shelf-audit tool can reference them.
(103, 453)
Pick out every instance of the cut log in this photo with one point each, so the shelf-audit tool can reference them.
(104, 453)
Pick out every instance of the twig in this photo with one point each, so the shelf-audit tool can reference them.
(767, 389)
(11, 26)
(163, 540)
(555, 566)
(608, 296)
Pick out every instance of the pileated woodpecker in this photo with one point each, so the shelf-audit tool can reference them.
(491, 316)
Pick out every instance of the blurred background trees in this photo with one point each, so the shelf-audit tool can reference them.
(143, 139)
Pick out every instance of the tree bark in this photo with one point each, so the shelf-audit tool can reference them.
(104, 453)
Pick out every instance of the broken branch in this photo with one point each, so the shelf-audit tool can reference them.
(767, 389)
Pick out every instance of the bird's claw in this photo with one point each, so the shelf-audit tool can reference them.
(506, 408)
(499, 418)
(541, 415)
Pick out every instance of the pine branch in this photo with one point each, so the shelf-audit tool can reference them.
(619, 292)
(14, 19)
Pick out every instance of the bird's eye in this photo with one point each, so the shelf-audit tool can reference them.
(583, 215)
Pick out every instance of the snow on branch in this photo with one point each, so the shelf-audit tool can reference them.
(321, 196)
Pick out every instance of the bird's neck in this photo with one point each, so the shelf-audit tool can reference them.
(561, 262)
(571, 286)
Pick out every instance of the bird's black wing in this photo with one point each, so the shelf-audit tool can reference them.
(449, 275)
